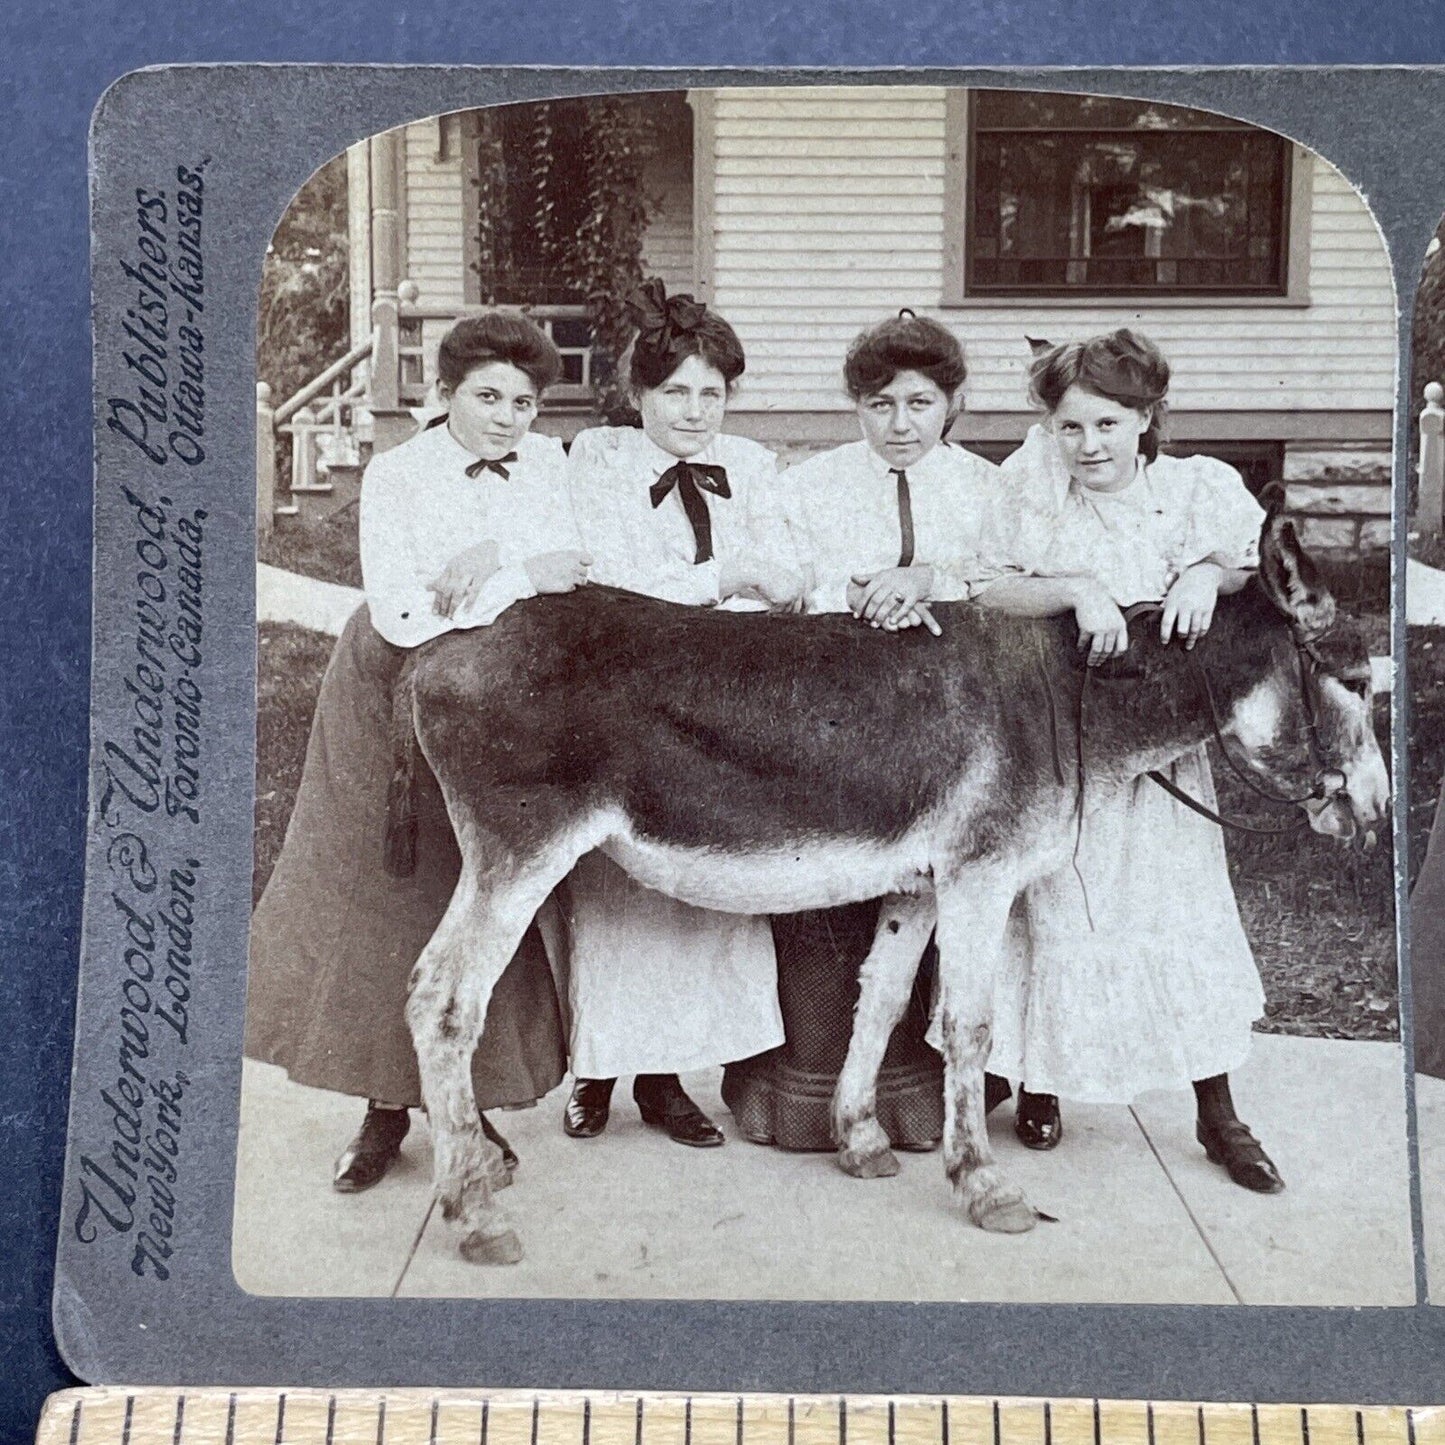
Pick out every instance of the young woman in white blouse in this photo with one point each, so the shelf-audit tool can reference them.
(680, 511)
(456, 524)
(884, 526)
(1138, 974)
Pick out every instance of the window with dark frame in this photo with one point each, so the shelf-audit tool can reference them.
(1071, 195)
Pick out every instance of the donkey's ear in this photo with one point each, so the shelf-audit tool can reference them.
(1038, 347)
(1290, 578)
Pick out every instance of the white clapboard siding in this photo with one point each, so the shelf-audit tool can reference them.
(829, 214)
(436, 218)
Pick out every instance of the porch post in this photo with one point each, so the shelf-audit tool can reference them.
(265, 461)
(1431, 495)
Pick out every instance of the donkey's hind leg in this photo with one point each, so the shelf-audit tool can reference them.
(451, 987)
(973, 914)
(885, 983)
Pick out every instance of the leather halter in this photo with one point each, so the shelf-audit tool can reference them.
(1311, 664)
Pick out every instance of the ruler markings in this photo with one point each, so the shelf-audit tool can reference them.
(157, 1416)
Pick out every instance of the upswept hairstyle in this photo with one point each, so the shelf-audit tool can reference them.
(672, 328)
(1123, 367)
(498, 336)
(903, 343)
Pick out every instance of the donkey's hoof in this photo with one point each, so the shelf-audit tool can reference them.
(503, 1248)
(1010, 1215)
(876, 1164)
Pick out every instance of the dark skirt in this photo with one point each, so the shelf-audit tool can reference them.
(785, 1096)
(334, 937)
(1427, 951)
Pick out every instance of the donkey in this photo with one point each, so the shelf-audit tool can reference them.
(766, 764)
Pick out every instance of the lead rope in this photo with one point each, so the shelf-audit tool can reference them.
(1057, 750)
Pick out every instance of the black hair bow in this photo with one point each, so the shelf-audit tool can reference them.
(660, 317)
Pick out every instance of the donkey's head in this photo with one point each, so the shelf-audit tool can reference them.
(1305, 728)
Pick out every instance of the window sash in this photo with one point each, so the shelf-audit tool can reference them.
(1257, 265)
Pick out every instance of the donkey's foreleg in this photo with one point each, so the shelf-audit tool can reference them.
(885, 982)
(451, 988)
(973, 910)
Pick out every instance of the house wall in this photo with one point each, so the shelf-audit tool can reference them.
(436, 218)
(829, 213)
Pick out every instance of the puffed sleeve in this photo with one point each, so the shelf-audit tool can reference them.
(619, 551)
(393, 572)
(769, 532)
(983, 533)
(1223, 519)
(813, 525)
(1035, 488)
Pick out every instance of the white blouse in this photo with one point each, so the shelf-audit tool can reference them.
(653, 550)
(419, 509)
(843, 505)
(1137, 541)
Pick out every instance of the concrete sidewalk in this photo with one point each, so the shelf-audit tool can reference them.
(1430, 1132)
(1142, 1216)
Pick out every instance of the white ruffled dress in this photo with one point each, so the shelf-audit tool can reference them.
(1136, 973)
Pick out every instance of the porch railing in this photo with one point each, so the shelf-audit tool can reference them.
(330, 420)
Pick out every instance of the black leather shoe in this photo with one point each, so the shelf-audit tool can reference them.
(367, 1158)
(1038, 1123)
(585, 1116)
(1230, 1144)
(665, 1105)
(509, 1155)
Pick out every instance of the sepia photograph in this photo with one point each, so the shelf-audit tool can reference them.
(1425, 647)
(823, 710)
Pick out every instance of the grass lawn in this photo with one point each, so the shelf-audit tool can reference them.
(326, 550)
(1320, 914)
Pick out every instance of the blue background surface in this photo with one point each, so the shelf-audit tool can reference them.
(59, 59)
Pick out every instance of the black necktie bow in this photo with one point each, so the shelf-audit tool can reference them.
(692, 479)
(495, 464)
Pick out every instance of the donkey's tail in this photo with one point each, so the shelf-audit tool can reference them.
(400, 846)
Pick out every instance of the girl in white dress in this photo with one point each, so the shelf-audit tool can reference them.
(457, 523)
(1138, 973)
(679, 511)
(884, 526)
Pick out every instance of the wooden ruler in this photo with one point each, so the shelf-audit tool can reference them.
(111, 1415)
